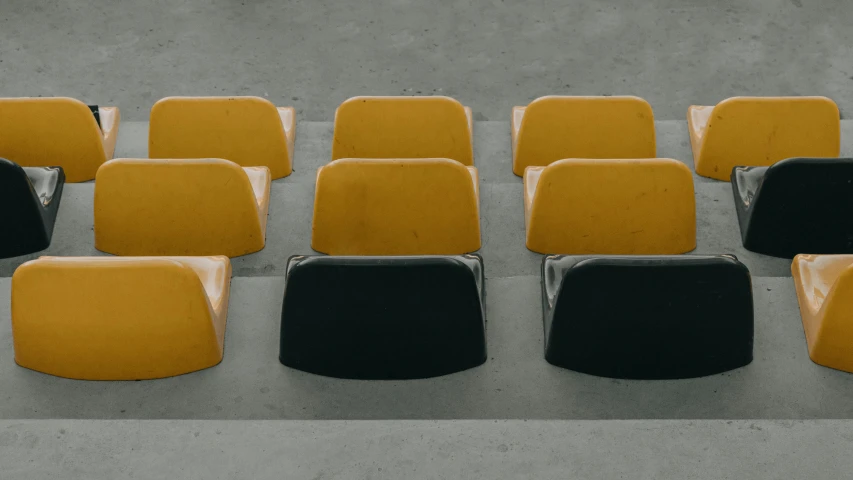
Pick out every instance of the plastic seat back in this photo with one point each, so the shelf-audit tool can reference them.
(178, 207)
(556, 127)
(760, 131)
(383, 317)
(641, 317)
(132, 318)
(396, 207)
(619, 207)
(46, 132)
(403, 127)
(245, 130)
(796, 205)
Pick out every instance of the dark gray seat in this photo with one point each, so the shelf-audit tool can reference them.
(798, 205)
(647, 317)
(383, 317)
(30, 200)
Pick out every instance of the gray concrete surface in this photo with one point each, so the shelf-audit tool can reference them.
(640, 450)
(490, 54)
(514, 383)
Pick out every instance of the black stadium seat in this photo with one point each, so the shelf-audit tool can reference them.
(383, 317)
(798, 205)
(30, 197)
(647, 317)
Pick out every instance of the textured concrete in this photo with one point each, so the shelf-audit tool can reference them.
(640, 450)
(514, 383)
(490, 54)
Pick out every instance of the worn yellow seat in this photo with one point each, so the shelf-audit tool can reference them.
(556, 127)
(403, 127)
(249, 131)
(620, 207)
(180, 207)
(120, 318)
(396, 207)
(760, 131)
(824, 285)
(57, 132)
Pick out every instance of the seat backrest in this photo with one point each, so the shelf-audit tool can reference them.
(15, 186)
(27, 223)
(22, 223)
(148, 207)
(611, 206)
(57, 131)
(103, 318)
(825, 291)
(648, 317)
(396, 207)
(558, 127)
(819, 275)
(402, 127)
(760, 131)
(800, 205)
(383, 317)
(244, 130)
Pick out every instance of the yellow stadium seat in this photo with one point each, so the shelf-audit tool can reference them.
(57, 132)
(824, 285)
(619, 207)
(120, 318)
(396, 207)
(556, 127)
(180, 207)
(760, 131)
(249, 131)
(403, 127)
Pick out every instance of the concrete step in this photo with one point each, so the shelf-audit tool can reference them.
(542, 450)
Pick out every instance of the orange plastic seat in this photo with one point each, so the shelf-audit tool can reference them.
(120, 318)
(249, 131)
(403, 127)
(396, 207)
(607, 206)
(180, 207)
(57, 132)
(824, 285)
(556, 127)
(760, 131)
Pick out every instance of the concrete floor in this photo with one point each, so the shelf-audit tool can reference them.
(477, 450)
(490, 55)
